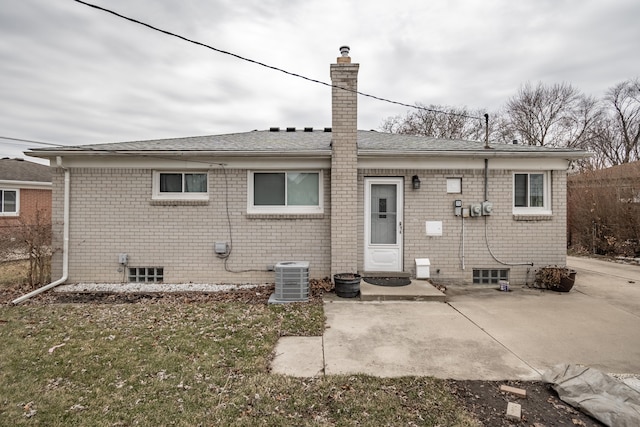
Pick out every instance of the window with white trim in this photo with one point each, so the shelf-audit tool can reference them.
(177, 185)
(288, 192)
(9, 202)
(531, 194)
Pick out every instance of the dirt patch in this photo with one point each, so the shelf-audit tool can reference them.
(541, 407)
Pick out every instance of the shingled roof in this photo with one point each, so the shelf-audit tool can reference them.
(316, 142)
(21, 170)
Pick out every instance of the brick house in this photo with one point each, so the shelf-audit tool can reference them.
(25, 188)
(225, 208)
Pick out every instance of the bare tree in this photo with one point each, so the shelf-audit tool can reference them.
(617, 137)
(36, 235)
(438, 121)
(556, 115)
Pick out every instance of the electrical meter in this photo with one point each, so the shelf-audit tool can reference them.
(457, 207)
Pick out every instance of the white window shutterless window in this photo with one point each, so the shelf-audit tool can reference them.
(287, 192)
(9, 202)
(175, 185)
(531, 193)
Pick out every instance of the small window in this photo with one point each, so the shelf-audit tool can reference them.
(531, 193)
(489, 276)
(9, 202)
(180, 185)
(146, 274)
(285, 192)
(454, 185)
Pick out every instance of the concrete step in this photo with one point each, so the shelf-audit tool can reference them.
(385, 274)
(418, 290)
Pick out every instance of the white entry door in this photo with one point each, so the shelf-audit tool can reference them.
(383, 224)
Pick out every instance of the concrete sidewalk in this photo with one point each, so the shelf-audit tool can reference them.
(482, 334)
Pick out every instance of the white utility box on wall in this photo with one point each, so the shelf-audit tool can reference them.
(423, 267)
(433, 228)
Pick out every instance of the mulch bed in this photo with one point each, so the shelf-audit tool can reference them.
(259, 295)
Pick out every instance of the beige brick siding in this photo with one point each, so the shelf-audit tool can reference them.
(112, 213)
(541, 240)
(344, 174)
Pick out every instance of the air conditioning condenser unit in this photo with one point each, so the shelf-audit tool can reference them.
(292, 282)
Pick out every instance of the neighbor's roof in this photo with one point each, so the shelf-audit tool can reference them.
(299, 142)
(21, 170)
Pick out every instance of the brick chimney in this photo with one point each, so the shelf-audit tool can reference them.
(344, 165)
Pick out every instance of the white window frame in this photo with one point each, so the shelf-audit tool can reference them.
(157, 195)
(536, 210)
(17, 212)
(298, 209)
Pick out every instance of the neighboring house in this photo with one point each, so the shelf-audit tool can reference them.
(226, 208)
(25, 188)
(604, 210)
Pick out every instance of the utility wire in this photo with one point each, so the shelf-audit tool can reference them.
(30, 141)
(169, 33)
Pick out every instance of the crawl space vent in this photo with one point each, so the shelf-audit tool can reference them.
(292, 282)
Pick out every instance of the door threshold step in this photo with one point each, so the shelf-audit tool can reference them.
(385, 274)
(418, 290)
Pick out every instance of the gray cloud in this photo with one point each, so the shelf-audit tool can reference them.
(73, 75)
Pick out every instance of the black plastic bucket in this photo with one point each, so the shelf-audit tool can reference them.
(347, 284)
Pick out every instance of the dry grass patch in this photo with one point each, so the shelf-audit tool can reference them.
(13, 272)
(184, 364)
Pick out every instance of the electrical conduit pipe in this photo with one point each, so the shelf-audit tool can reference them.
(65, 244)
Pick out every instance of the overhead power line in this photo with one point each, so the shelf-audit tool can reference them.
(30, 141)
(169, 33)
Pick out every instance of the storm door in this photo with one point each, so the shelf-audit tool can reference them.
(383, 224)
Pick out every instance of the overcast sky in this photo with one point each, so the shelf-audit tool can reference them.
(70, 74)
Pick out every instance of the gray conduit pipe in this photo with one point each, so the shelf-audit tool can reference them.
(65, 245)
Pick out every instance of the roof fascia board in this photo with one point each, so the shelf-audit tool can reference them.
(193, 163)
(32, 185)
(484, 154)
(186, 154)
(463, 163)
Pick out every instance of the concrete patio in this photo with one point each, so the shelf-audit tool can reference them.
(480, 333)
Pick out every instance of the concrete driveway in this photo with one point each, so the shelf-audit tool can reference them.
(481, 334)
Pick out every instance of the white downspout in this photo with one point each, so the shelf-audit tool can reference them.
(65, 244)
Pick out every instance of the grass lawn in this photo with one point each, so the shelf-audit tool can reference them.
(13, 272)
(172, 362)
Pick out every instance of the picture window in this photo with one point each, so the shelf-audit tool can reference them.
(285, 192)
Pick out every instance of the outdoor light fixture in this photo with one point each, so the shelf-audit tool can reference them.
(416, 182)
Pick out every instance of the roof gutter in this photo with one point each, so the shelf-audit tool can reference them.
(187, 154)
(65, 246)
